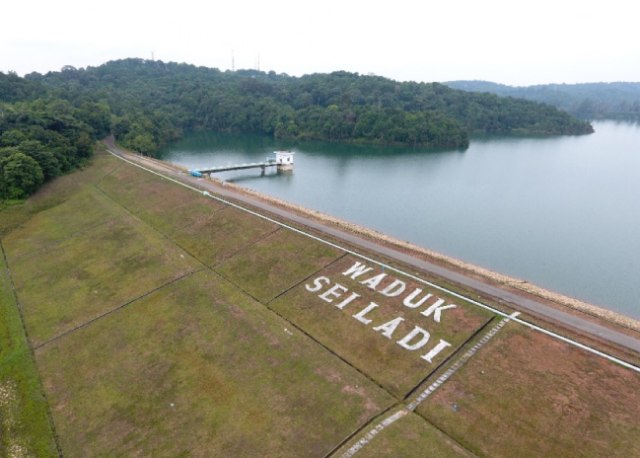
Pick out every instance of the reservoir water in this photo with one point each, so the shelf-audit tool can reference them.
(560, 212)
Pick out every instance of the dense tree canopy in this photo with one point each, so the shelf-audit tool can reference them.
(49, 123)
(20, 175)
(40, 139)
(155, 102)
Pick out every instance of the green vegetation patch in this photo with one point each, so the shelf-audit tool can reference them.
(393, 329)
(93, 272)
(199, 368)
(62, 188)
(527, 392)
(55, 192)
(207, 229)
(12, 216)
(226, 233)
(46, 229)
(165, 205)
(277, 263)
(24, 423)
(410, 436)
(41, 138)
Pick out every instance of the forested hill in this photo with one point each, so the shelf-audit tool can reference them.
(585, 100)
(48, 122)
(154, 102)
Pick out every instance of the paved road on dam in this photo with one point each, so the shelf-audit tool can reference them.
(517, 301)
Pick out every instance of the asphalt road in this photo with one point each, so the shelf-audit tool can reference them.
(517, 302)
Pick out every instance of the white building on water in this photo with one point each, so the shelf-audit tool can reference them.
(284, 159)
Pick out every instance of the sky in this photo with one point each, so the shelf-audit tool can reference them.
(517, 42)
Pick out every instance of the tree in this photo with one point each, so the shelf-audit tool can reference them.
(12, 137)
(20, 175)
(143, 143)
(47, 160)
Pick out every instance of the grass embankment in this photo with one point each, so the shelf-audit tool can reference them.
(410, 436)
(393, 367)
(143, 349)
(529, 395)
(25, 426)
(97, 263)
(166, 323)
(25, 429)
(199, 367)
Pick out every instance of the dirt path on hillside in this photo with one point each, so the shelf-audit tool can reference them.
(500, 288)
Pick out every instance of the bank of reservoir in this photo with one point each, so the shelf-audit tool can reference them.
(561, 212)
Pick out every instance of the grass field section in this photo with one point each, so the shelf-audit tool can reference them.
(200, 368)
(94, 271)
(25, 427)
(276, 263)
(343, 319)
(141, 318)
(540, 397)
(409, 437)
(169, 209)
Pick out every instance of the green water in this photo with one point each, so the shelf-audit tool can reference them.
(561, 212)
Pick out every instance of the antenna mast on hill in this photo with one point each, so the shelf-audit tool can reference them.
(233, 62)
(153, 57)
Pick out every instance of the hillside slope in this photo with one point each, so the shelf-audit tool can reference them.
(156, 101)
(586, 101)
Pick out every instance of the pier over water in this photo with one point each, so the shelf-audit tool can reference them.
(282, 160)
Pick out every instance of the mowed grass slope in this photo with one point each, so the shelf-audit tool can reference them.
(370, 349)
(144, 350)
(525, 394)
(274, 264)
(199, 368)
(166, 207)
(66, 281)
(166, 323)
(207, 229)
(25, 429)
(410, 436)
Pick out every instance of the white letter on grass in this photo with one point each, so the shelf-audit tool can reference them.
(347, 301)
(389, 291)
(405, 341)
(335, 291)
(389, 327)
(374, 281)
(435, 350)
(318, 284)
(412, 305)
(356, 270)
(436, 308)
(360, 316)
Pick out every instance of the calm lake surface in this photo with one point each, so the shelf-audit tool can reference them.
(561, 212)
